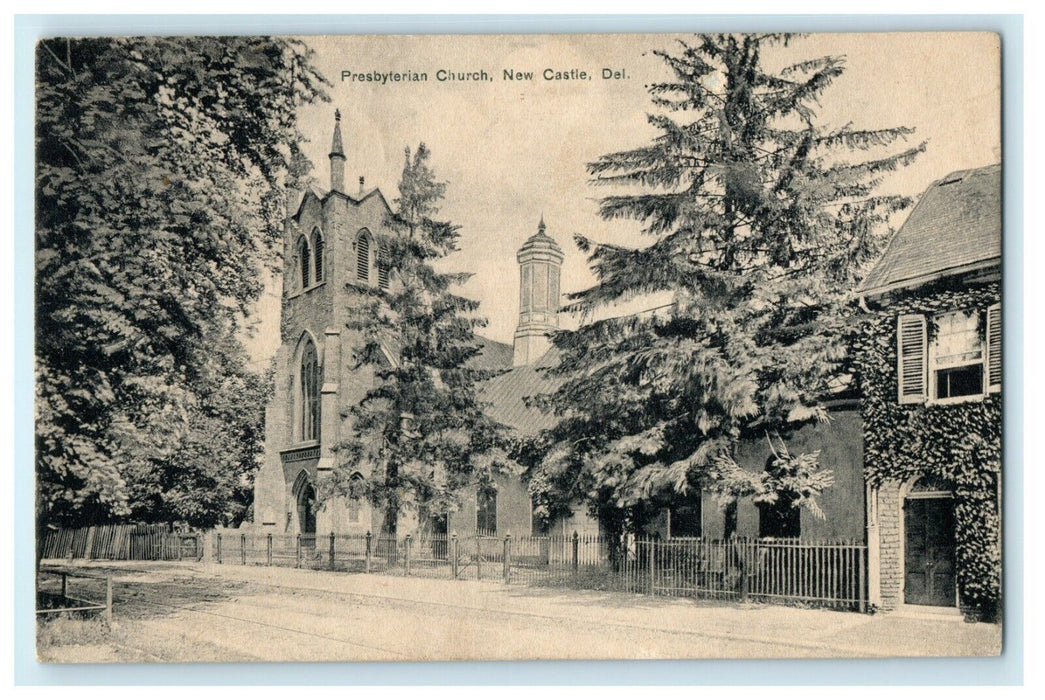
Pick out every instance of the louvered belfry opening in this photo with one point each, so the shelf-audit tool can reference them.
(317, 254)
(363, 257)
(382, 268)
(304, 256)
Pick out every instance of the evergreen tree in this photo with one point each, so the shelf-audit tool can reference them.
(421, 434)
(160, 171)
(761, 221)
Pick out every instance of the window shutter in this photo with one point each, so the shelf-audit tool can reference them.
(994, 348)
(911, 355)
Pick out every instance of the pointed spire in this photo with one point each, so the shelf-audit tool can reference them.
(337, 156)
(541, 226)
(336, 147)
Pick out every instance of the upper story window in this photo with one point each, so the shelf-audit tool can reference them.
(961, 361)
(363, 256)
(957, 356)
(308, 394)
(317, 254)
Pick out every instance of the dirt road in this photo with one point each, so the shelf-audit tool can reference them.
(198, 613)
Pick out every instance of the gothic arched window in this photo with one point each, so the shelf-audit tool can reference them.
(363, 256)
(308, 398)
(317, 254)
(304, 262)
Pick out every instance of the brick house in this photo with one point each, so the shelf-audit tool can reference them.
(929, 367)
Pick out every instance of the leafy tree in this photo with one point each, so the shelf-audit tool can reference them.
(160, 168)
(421, 434)
(761, 221)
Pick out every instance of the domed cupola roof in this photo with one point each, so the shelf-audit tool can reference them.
(540, 242)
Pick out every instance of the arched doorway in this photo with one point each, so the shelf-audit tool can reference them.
(929, 543)
(307, 509)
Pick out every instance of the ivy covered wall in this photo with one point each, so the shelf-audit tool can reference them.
(959, 442)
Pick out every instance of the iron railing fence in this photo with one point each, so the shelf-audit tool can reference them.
(825, 573)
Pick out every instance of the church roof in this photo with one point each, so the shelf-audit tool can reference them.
(493, 355)
(955, 227)
(506, 395)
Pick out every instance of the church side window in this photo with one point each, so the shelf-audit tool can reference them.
(309, 396)
(486, 511)
(305, 261)
(363, 257)
(317, 254)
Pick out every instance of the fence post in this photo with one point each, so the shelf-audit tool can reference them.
(366, 565)
(453, 554)
(861, 554)
(576, 548)
(108, 599)
(406, 560)
(650, 561)
(268, 550)
(219, 547)
(243, 548)
(297, 552)
(746, 555)
(478, 556)
(508, 558)
(65, 587)
(332, 554)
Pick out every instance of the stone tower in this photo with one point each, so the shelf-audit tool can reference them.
(331, 253)
(540, 264)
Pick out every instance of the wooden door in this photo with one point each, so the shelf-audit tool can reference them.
(929, 551)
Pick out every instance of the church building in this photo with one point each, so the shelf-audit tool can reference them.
(330, 249)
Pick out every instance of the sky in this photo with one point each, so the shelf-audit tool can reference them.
(514, 150)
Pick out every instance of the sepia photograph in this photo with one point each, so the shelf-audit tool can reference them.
(518, 347)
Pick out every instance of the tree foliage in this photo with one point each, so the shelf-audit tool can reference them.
(760, 221)
(421, 433)
(160, 163)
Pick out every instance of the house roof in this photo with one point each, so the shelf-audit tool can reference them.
(954, 228)
(506, 395)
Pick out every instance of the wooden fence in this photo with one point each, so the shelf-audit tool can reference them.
(829, 574)
(122, 542)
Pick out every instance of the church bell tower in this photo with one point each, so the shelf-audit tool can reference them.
(540, 263)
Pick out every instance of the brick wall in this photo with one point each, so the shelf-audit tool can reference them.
(890, 530)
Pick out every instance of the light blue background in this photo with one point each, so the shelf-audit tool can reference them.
(1007, 669)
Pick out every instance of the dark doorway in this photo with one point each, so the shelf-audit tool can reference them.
(780, 519)
(307, 510)
(729, 529)
(685, 518)
(929, 551)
